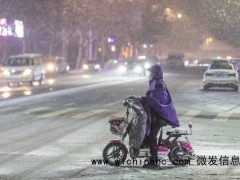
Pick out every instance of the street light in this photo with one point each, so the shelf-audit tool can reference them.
(168, 10)
(179, 15)
(208, 40)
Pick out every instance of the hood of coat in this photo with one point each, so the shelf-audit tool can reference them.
(157, 72)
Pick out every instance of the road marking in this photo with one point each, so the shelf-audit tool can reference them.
(120, 114)
(8, 109)
(34, 110)
(70, 104)
(221, 117)
(83, 115)
(57, 113)
(189, 115)
(113, 104)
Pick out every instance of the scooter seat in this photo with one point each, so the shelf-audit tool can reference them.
(177, 132)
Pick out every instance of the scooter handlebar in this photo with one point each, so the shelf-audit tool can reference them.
(125, 103)
(128, 102)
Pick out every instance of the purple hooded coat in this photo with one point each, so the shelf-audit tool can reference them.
(159, 97)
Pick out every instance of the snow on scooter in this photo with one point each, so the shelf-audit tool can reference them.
(115, 153)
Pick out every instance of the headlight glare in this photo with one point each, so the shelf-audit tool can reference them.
(6, 72)
(147, 65)
(122, 68)
(97, 66)
(85, 66)
(138, 69)
(50, 67)
(27, 72)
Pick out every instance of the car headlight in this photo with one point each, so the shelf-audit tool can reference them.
(122, 69)
(6, 72)
(68, 68)
(208, 74)
(85, 66)
(27, 72)
(97, 66)
(147, 65)
(138, 69)
(50, 67)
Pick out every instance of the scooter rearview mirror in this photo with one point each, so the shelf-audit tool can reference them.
(190, 125)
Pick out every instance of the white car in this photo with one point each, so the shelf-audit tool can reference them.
(24, 68)
(220, 74)
(134, 67)
(92, 65)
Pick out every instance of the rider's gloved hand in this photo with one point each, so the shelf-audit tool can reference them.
(127, 104)
(129, 101)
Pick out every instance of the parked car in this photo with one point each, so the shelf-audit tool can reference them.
(220, 74)
(24, 68)
(236, 64)
(92, 65)
(56, 65)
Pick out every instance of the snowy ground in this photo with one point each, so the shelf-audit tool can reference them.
(56, 135)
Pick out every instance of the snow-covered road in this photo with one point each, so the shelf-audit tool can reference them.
(57, 135)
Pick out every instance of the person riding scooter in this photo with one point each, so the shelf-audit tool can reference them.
(162, 110)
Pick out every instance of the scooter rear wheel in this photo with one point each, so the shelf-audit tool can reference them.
(114, 154)
(175, 158)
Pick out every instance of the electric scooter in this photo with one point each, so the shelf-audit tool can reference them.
(177, 151)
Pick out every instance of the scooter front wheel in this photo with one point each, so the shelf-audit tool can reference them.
(114, 154)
